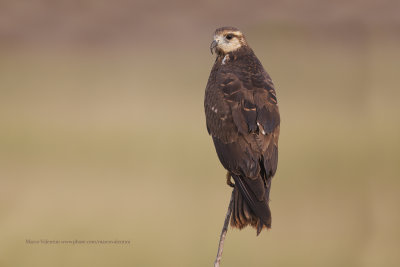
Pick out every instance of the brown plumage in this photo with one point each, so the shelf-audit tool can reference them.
(243, 119)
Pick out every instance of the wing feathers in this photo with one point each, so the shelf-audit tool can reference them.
(268, 118)
(250, 115)
(239, 118)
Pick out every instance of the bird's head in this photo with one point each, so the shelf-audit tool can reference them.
(226, 40)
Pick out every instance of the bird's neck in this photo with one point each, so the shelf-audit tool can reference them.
(234, 55)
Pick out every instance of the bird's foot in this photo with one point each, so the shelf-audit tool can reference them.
(228, 180)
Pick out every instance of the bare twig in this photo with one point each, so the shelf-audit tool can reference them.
(223, 233)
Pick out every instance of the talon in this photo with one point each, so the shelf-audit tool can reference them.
(228, 180)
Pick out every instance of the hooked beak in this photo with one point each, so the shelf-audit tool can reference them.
(213, 46)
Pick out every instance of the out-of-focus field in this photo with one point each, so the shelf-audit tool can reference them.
(110, 143)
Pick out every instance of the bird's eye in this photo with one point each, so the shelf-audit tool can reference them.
(229, 36)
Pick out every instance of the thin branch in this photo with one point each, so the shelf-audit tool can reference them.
(223, 233)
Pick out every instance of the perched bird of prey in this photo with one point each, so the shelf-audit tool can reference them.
(243, 119)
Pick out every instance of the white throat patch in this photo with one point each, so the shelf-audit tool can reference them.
(224, 59)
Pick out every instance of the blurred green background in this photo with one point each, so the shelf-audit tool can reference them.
(102, 133)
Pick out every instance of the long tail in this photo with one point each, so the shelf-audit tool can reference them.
(249, 208)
